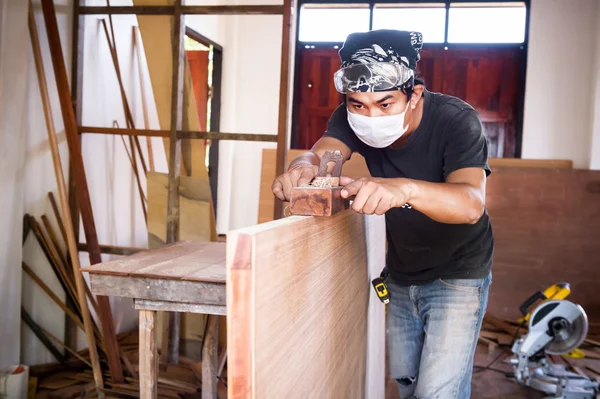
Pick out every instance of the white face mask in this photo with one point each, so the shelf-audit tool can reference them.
(378, 131)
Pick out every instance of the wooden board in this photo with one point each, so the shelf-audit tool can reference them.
(194, 197)
(546, 227)
(298, 296)
(156, 32)
(356, 167)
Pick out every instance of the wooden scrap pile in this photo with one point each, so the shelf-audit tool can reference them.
(497, 333)
(73, 380)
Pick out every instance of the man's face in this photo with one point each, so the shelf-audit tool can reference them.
(383, 103)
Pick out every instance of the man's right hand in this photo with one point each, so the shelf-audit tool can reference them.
(300, 175)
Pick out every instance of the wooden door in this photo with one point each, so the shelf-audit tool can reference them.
(198, 64)
(318, 97)
(486, 78)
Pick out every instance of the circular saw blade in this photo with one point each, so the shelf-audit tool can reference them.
(571, 337)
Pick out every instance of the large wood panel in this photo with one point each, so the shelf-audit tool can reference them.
(547, 229)
(488, 79)
(298, 316)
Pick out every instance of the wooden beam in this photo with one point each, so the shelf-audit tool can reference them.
(112, 249)
(148, 355)
(181, 134)
(178, 55)
(77, 66)
(38, 331)
(83, 195)
(186, 10)
(288, 26)
(304, 281)
(209, 359)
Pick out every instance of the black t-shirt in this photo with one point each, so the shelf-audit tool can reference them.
(449, 137)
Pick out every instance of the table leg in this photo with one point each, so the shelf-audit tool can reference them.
(148, 355)
(209, 359)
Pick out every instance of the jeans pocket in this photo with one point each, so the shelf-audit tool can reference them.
(465, 285)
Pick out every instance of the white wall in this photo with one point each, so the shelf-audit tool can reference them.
(595, 104)
(558, 118)
(13, 102)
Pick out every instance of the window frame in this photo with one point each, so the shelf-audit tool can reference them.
(300, 46)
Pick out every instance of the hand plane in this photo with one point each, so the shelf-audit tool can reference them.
(322, 196)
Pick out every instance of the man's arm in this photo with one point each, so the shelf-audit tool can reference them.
(304, 167)
(460, 200)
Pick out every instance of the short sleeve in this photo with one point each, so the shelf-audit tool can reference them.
(338, 128)
(465, 144)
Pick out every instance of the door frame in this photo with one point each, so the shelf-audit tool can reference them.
(371, 3)
(215, 106)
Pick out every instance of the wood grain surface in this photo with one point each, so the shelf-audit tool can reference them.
(546, 226)
(297, 308)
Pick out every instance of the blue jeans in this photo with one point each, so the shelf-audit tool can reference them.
(432, 336)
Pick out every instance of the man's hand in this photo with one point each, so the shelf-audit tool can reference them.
(376, 195)
(299, 176)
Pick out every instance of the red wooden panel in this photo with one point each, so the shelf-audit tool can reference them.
(198, 63)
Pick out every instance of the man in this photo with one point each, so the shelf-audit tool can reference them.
(428, 158)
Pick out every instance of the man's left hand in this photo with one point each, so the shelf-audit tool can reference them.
(376, 195)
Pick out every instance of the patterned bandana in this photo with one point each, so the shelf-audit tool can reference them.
(388, 56)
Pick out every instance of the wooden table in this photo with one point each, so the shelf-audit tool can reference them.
(185, 276)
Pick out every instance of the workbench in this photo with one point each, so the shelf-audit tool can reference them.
(185, 276)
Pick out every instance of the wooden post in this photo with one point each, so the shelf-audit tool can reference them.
(175, 160)
(83, 195)
(148, 355)
(284, 82)
(62, 193)
(209, 359)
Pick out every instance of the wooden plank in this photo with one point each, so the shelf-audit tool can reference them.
(140, 260)
(288, 36)
(301, 282)
(148, 355)
(183, 134)
(112, 249)
(80, 301)
(209, 359)
(215, 273)
(167, 306)
(158, 289)
(545, 223)
(186, 10)
(83, 196)
(194, 208)
(39, 332)
(530, 163)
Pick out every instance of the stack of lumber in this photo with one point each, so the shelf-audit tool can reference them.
(74, 380)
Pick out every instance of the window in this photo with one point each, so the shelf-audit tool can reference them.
(331, 23)
(429, 19)
(486, 23)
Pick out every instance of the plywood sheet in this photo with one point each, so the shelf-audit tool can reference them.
(156, 32)
(546, 225)
(356, 167)
(194, 197)
(298, 300)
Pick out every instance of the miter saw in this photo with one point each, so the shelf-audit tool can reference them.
(556, 327)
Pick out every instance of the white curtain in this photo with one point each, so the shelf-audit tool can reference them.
(14, 43)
